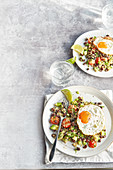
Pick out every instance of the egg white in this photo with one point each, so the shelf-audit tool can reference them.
(96, 122)
(108, 50)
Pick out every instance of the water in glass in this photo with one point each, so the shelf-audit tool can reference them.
(61, 72)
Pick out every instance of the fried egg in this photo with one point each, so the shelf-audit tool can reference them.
(104, 45)
(91, 119)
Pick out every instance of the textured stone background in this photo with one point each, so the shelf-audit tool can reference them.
(33, 34)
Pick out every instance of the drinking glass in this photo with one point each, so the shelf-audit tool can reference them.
(107, 16)
(61, 72)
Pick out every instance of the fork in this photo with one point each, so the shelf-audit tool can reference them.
(55, 142)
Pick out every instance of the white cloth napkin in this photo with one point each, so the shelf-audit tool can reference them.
(59, 157)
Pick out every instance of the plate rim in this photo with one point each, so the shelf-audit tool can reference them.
(76, 86)
(77, 61)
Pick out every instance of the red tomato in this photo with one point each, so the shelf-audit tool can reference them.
(89, 41)
(108, 58)
(97, 60)
(72, 108)
(103, 59)
(92, 144)
(54, 120)
(94, 48)
(66, 123)
(91, 62)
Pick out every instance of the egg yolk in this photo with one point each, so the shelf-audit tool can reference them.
(102, 45)
(84, 116)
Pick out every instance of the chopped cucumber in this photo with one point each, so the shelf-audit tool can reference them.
(96, 138)
(64, 140)
(60, 136)
(75, 138)
(70, 134)
(66, 137)
(84, 143)
(77, 92)
(54, 127)
(79, 142)
(72, 128)
(58, 104)
(103, 133)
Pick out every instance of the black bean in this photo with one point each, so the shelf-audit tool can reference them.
(87, 69)
(78, 149)
(72, 120)
(86, 39)
(85, 146)
(52, 109)
(60, 130)
(83, 139)
(73, 123)
(85, 43)
(56, 111)
(87, 140)
(53, 135)
(107, 35)
(53, 114)
(73, 140)
(99, 140)
(79, 139)
(64, 114)
(99, 103)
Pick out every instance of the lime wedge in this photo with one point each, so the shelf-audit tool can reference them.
(67, 94)
(78, 48)
(71, 60)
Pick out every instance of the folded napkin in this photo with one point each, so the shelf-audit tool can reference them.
(104, 157)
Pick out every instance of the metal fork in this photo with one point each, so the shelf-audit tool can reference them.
(54, 144)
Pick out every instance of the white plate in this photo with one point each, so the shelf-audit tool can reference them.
(80, 40)
(89, 94)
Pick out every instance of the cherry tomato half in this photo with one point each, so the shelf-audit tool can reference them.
(54, 120)
(72, 108)
(66, 123)
(91, 62)
(92, 144)
(97, 60)
(89, 40)
(103, 59)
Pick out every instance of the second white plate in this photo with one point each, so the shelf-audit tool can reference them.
(80, 40)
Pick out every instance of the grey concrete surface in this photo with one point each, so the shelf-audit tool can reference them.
(33, 34)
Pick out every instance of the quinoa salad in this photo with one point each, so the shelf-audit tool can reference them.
(98, 55)
(70, 131)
